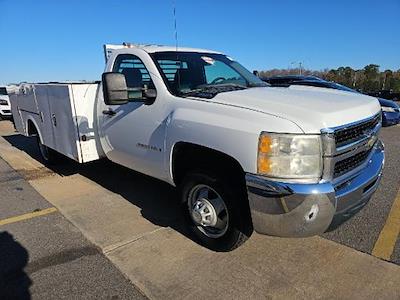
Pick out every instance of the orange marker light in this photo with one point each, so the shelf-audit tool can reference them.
(264, 164)
(264, 145)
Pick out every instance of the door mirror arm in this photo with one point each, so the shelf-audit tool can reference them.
(149, 96)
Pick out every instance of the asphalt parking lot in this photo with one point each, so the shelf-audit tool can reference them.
(362, 231)
(43, 256)
(128, 225)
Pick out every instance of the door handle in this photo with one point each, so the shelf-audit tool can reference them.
(53, 118)
(109, 112)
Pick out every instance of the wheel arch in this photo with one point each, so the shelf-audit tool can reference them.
(32, 128)
(186, 156)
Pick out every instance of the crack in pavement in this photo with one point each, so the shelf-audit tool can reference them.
(116, 246)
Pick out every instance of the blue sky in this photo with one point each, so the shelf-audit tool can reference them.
(46, 40)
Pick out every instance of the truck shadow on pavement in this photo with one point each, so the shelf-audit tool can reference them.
(14, 282)
(158, 201)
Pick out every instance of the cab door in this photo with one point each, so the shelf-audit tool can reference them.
(132, 134)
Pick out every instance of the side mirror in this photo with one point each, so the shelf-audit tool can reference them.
(255, 72)
(115, 90)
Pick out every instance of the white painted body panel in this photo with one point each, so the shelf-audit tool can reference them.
(232, 130)
(134, 124)
(311, 108)
(62, 113)
(24, 107)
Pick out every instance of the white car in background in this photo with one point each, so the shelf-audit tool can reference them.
(5, 108)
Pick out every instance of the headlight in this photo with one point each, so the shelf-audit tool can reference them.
(289, 155)
(388, 109)
(3, 102)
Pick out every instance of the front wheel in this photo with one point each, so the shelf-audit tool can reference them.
(216, 211)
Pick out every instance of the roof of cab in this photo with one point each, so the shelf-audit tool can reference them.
(161, 48)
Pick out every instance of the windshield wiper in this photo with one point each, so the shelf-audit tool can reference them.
(260, 84)
(210, 91)
(235, 85)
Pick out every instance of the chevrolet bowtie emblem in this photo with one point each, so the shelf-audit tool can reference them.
(371, 141)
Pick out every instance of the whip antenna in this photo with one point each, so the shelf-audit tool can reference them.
(175, 27)
(178, 63)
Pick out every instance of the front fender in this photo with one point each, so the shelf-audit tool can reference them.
(230, 130)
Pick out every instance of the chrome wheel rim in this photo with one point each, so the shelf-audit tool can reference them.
(208, 211)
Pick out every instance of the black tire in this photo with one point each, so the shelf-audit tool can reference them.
(48, 155)
(234, 196)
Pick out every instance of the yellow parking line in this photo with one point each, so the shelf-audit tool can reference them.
(384, 246)
(28, 216)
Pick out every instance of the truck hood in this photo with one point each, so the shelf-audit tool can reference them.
(311, 108)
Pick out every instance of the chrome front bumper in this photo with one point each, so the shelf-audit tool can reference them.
(299, 210)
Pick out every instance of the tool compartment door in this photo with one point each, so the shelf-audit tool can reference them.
(63, 120)
(84, 104)
(44, 114)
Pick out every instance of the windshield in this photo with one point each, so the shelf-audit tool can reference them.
(3, 91)
(203, 74)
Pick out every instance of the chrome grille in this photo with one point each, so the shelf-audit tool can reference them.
(355, 132)
(350, 163)
(347, 147)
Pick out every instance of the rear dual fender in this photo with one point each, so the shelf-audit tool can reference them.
(28, 129)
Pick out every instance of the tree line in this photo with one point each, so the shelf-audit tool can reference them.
(367, 80)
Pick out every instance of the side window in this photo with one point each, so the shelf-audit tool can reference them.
(135, 72)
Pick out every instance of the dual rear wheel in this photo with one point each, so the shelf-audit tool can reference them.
(48, 155)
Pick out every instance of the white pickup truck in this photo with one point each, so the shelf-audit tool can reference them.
(288, 162)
